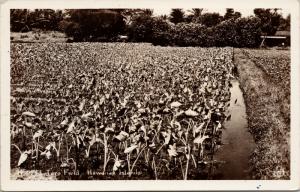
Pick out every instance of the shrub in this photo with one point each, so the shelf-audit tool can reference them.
(161, 32)
(190, 34)
(141, 28)
(210, 19)
(88, 25)
(248, 32)
(225, 33)
(71, 29)
(241, 32)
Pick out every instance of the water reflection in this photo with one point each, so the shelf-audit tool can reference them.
(231, 159)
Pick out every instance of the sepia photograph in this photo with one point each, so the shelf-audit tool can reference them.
(150, 94)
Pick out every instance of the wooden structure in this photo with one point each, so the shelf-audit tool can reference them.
(281, 38)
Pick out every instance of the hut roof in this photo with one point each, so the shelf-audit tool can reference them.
(283, 33)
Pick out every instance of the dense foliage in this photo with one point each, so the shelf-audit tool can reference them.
(140, 25)
(24, 20)
(270, 20)
(89, 24)
(112, 109)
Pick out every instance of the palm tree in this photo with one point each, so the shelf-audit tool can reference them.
(196, 14)
(177, 16)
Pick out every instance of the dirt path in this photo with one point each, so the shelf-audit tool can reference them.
(270, 159)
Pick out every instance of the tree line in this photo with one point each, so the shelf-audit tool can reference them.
(191, 28)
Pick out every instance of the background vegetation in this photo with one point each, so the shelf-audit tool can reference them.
(179, 28)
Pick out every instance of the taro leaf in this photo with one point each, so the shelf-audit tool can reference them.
(219, 126)
(109, 129)
(38, 134)
(96, 106)
(64, 122)
(208, 116)
(199, 139)
(93, 140)
(132, 128)
(99, 140)
(142, 110)
(185, 90)
(166, 110)
(102, 99)
(181, 149)
(122, 136)
(175, 104)
(161, 101)
(64, 165)
(86, 116)
(167, 136)
(152, 145)
(21, 90)
(48, 117)
(143, 128)
(51, 144)
(124, 103)
(180, 133)
(47, 154)
(198, 129)
(81, 106)
(206, 78)
(202, 90)
(174, 135)
(172, 150)
(29, 114)
(136, 138)
(117, 164)
(130, 149)
(23, 157)
(191, 113)
(178, 125)
(199, 109)
(66, 110)
(44, 152)
(28, 124)
(71, 126)
(179, 113)
(138, 104)
(78, 141)
(211, 102)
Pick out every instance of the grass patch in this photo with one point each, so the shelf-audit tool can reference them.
(270, 159)
(38, 37)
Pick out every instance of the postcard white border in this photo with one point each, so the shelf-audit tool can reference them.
(142, 185)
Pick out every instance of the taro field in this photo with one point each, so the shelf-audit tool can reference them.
(118, 111)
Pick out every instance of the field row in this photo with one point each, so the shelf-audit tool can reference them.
(276, 64)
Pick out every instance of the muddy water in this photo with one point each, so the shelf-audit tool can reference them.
(238, 143)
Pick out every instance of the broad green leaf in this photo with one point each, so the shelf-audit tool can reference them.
(38, 134)
(200, 139)
(122, 136)
(29, 114)
(191, 113)
(172, 150)
(130, 149)
(175, 104)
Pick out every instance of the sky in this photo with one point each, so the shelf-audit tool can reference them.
(244, 11)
